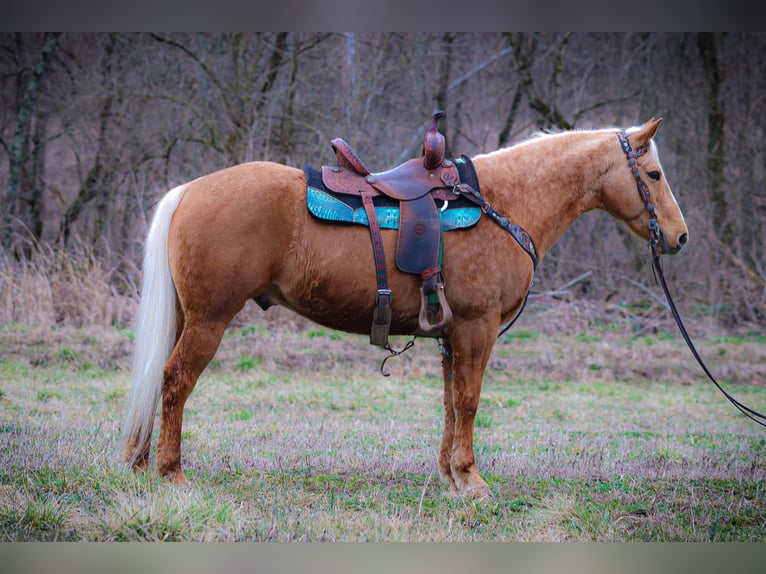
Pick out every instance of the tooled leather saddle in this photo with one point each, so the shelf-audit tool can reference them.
(416, 185)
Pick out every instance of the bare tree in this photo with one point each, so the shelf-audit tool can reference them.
(707, 43)
(94, 127)
(98, 183)
(20, 149)
(232, 111)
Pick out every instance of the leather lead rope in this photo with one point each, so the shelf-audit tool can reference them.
(655, 236)
(744, 409)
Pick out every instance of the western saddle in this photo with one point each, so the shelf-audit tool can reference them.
(416, 184)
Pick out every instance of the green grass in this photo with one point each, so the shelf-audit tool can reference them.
(588, 338)
(521, 335)
(308, 442)
(247, 363)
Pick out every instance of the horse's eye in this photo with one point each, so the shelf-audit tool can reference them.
(654, 175)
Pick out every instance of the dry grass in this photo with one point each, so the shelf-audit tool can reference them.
(51, 286)
(292, 435)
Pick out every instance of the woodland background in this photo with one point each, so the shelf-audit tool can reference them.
(95, 127)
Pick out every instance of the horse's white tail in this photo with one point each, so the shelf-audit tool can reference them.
(155, 329)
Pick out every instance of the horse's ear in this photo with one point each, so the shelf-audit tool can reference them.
(645, 133)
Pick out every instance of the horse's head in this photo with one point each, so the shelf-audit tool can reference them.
(638, 192)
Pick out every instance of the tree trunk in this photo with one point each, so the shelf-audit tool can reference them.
(20, 144)
(288, 115)
(37, 188)
(441, 95)
(105, 196)
(97, 183)
(716, 155)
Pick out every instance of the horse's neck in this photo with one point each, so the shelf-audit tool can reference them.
(545, 184)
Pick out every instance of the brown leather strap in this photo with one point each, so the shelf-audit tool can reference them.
(517, 232)
(378, 252)
(381, 314)
(347, 157)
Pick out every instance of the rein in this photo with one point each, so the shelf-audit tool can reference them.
(655, 237)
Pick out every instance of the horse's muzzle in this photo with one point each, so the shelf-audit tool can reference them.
(667, 248)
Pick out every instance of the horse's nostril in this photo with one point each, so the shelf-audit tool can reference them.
(682, 239)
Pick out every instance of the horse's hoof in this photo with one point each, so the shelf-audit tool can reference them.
(177, 477)
(478, 493)
(139, 469)
(174, 475)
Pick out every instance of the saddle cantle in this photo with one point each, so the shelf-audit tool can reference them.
(415, 184)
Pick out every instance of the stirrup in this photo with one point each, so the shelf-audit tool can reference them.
(445, 311)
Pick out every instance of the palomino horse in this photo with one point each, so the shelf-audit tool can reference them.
(245, 233)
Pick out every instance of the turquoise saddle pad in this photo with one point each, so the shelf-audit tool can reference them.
(329, 207)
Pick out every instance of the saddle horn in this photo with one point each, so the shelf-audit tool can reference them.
(434, 144)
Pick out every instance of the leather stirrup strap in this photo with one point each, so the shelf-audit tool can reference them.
(381, 317)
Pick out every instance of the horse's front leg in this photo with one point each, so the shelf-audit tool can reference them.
(471, 344)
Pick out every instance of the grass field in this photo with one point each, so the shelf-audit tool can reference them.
(591, 427)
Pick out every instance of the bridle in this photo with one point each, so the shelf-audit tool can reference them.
(656, 237)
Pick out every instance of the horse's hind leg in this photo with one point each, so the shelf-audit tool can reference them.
(141, 460)
(194, 350)
(137, 452)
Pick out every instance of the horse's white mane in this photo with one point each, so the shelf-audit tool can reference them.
(547, 133)
(541, 134)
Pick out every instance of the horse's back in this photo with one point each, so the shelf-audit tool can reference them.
(237, 200)
(246, 189)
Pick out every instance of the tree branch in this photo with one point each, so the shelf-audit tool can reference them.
(417, 136)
